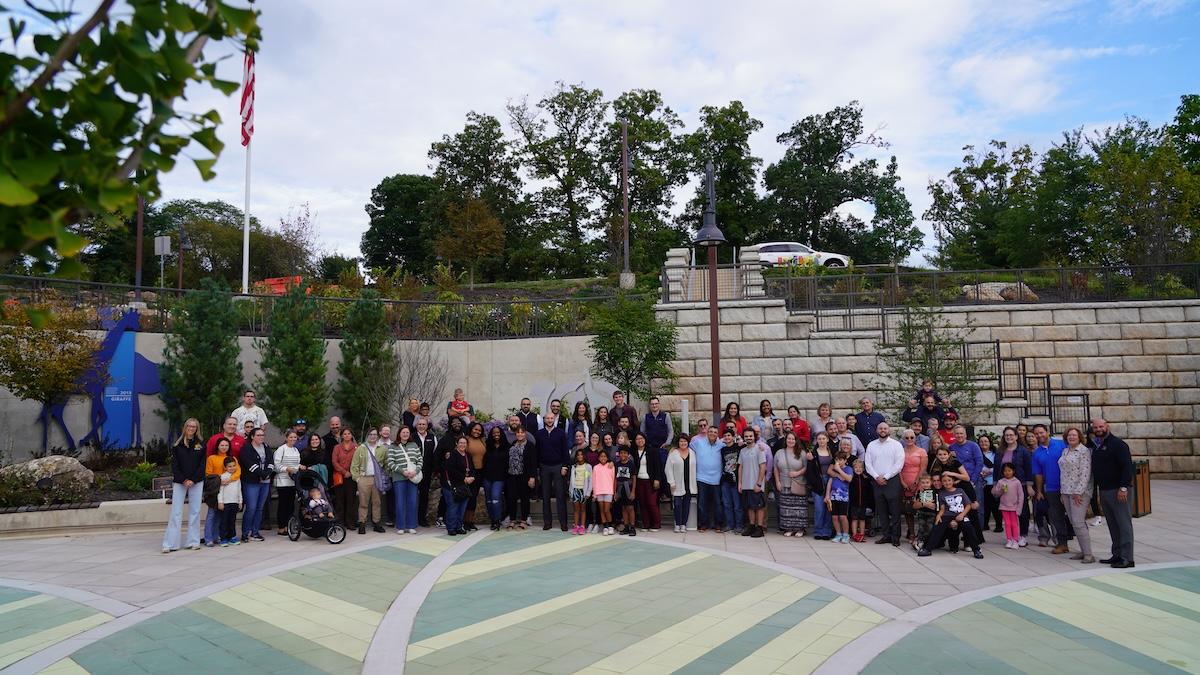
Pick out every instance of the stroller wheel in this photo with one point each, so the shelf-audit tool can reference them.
(336, 534)
(293, 529)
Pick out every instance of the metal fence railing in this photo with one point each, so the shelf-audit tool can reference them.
(857, 291)
(1069, 410)
(412, 319)
(1037, 396)
(735, 281)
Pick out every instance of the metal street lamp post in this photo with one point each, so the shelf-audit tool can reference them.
(185, 244)
(710, 235)
(627, 280)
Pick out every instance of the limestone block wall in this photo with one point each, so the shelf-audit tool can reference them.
(1137, 361)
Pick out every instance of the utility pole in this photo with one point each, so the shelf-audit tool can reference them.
(627, 279)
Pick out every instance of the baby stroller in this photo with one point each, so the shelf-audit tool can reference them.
(303, 521)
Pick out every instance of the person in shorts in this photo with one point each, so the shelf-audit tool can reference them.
(925, 507)
(751, 474)
(837, 497)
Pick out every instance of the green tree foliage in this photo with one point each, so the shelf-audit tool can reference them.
(480, 163)
(658, 165)
(724, 139)
(1125, 195)
(292, 385)
(400, 209)
(215, 231)
(632, 347)
(924, 346)
(819, 172)
(559, 139)
(44, 355)
(971, 207)
(201, 371)
(472, 234)
(334, 266)
(91, 101)
(368, 362)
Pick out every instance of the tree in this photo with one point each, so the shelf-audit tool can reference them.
(632, 347)
(292, 385)
(1186, 131)
(368, 358)
(480, 163)
(334, 266)
(295, 249)
(400, 209)
(201, 370)
(818, 173)
(724, 139)
(474, 233)
(89, 99)
(971, 205)
(1147, 201)
(925, 346)
(45, 356)
(559, 139)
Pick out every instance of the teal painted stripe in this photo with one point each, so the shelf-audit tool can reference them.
(749, 641)
(1084, 638)
(183, 641)
(503, 542)
(1134, 596)
(931, 649)
(1187, 578)
(398, 555)
(26, 621)
(8, 595)
(281, 640)
(462, 604)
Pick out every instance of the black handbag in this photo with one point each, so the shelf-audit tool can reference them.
(460, 492)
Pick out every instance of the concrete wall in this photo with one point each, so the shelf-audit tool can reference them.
(1137, 361)
(496, 374)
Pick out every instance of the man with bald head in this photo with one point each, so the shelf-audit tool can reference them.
(1112, 469)
(884, 459)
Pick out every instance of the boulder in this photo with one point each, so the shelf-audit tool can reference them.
(985, 292)
(1018, 292)
(62, 469)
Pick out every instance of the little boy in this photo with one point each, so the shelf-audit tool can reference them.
(752, 471)
(925, 507)
(318, 506)
(626, 475)
(734, 518)
(953, 508)
(229, 500)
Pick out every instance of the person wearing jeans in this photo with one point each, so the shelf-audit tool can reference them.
(707, 450)
(187, 482)
(495, 470)
(457, 471)
(404, 463)
(820, 458)
(680, 474)
(257, 465)
(1047, 485)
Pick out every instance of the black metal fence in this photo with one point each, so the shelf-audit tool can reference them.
(860, 291)
(413, 319)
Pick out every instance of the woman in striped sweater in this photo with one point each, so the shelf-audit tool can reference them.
(404, 463)
(287, 463)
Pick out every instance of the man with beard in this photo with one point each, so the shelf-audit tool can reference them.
(428, 443)
(527, 417)
(1112, 468)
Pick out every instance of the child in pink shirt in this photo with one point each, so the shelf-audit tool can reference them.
(1010, 493)
(604, 477)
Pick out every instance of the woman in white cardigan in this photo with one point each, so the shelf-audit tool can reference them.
(681, 476)
(287, 463)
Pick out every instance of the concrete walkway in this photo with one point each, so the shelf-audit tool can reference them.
(550, 602)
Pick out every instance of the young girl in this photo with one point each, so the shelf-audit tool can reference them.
(603, 479)
(626, 471)
(581, 489)
(1010, 493)
(837, 496)
(861, 496)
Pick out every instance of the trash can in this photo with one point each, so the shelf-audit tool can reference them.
(1141, 488)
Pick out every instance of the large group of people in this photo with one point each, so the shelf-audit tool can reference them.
(842, 478)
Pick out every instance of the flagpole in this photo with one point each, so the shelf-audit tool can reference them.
(246, 230)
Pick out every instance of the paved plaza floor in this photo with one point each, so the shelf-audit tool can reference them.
(548, 602)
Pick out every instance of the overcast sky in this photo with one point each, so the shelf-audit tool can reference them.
(351, 92)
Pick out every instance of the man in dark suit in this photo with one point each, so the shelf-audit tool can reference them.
(527, 417)
(428, 442)
(553, 461)
(1112, 468)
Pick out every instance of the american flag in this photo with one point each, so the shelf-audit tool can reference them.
(248, 99)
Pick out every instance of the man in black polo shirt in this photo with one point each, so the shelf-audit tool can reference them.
(1112, 469)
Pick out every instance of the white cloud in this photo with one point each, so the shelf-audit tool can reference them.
(353, 92)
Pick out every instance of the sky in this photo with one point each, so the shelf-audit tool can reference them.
(351, 92)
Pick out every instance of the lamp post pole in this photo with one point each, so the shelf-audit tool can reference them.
(710, 235)
(627, 280)
(137, 263)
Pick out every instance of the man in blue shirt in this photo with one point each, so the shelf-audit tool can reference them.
(867, 423)
(708, 476)
(1046, 488)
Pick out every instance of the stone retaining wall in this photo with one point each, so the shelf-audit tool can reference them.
(1137, 361)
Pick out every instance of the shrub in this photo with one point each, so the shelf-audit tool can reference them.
(136, 479)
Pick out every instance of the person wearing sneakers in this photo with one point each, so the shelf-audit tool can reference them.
(604, 478)
(953, 509)
(681, 476)
(580, 482)
(1047, 484)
